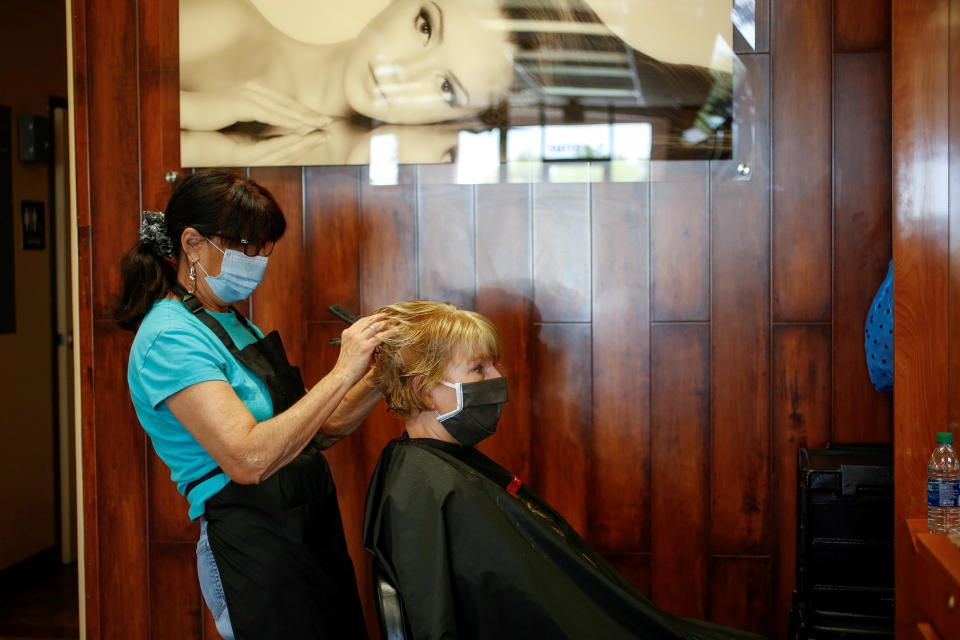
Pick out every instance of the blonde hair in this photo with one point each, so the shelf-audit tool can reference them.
(410, 363)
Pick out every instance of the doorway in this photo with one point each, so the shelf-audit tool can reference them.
(39, 595)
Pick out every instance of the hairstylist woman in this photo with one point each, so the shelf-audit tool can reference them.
(230, 417)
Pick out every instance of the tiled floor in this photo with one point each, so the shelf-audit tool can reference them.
(46, 609)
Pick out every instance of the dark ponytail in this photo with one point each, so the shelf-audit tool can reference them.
(146, 278)
(215, 203)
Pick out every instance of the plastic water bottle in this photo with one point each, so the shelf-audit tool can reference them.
(943, 487)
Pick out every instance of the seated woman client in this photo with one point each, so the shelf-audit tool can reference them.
(472, 551)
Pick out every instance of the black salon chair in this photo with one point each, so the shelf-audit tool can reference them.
(393, 623)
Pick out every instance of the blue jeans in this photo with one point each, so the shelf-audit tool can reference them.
(210, 585)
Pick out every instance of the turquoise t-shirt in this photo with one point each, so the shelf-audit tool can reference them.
(171, 351)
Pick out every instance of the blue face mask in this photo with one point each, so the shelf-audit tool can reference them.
(239, 275)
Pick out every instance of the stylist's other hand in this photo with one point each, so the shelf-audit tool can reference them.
(357, 343)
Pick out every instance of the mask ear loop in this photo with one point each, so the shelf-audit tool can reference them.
(458, 387)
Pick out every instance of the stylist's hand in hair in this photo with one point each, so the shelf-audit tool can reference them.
(357, 343)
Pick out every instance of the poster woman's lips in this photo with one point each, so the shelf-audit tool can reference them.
(373, 74)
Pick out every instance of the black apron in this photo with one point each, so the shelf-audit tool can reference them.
(279, 545)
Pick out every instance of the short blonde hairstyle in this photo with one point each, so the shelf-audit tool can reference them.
(407, 365)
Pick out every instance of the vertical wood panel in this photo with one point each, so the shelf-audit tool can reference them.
(124, 612)
(740, 592)
(445, 249)
(209, 630)
(862, 238)
(561, 228)
(861, 25)
(159, 99)
(112, 113)
(88, 437)
(680, 241)
(953, 321)
(800, 85)
(620, 428)
(505, 295)
(680, 424)
(920, 204)
(278, 302)
(801, 418)
(332, 235)
(168, 509)
(561, 415)
(173, 580)
(388, 241)
(740, 343)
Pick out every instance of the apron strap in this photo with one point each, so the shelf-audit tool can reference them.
(193, 304)
(209, 474)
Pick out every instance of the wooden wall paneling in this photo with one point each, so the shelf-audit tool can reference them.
(504, 293)
(679, 450)
(331, 246)
(159, 61)
(168, 509)
(332, 238)
(388, 264)
(801, 88)
(620, 440)
(88, 436)
(84, 335)
(81, 117)
(561, 428)
(920, 116)
(761, 29)
(740, 326)
(178, 611)
(862, 238)
(278, 303)
(446, 241)
(388, 240)
(680, 241)
(801, 418)
(861, 25)
(209, 629)
(561, 250)
(740, 592)
(107, 182)
(954, 218)
(124, 611)
(112, 113)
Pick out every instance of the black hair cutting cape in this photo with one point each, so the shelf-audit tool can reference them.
(475, 556)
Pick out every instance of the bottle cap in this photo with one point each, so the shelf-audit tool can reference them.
(943, 437)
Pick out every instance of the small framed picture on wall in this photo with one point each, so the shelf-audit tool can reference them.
(34, 230)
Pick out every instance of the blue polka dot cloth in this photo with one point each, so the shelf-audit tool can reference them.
(879, 335)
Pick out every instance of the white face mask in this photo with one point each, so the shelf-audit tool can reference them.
(239, 275)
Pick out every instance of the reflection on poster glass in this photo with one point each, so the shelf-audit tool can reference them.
(558, 89)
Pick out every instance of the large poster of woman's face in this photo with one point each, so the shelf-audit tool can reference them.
(477, 82)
